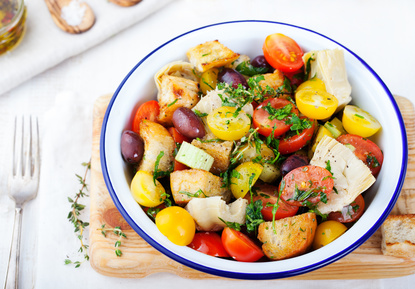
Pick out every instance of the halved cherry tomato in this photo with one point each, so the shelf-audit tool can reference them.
(226, 124)
(349, 213)
(148, 110)
(272, 115)
(268, 194)
(306, 184)
(244, 177)
(239, 246)
(365, 150)
(292, 142)
(208, 80)
(317, 104)
(209, 243)
(357, 121)
(283, 53)
(313, 84)
(146, 191)
(178, 138)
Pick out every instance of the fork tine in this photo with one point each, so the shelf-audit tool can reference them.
(27, 143)
(35, 141)
(18, 147)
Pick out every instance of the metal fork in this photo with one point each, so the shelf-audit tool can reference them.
(23, 184)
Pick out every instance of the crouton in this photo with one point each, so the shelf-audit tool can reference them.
(219, 150)
(210, 54)
(175, 92)
(398, 236)
(156, 139)
(293, 237)
(275, 81)
(194, 183)
(239, 60)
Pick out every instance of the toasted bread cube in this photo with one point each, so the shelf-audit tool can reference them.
(193, 183)
(219, 150)
(398, 236)
(157, 139)
(210, 54)
(176, 92)
(275, 81)
(293, 237)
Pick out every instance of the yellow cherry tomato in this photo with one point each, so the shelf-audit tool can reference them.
(208, 80)
(226, 124)
(244, 177)
(327, 232)
(145, 192)
(313, 84)
(316, 104)
(357, 121)
(322, 131)
(176, 224)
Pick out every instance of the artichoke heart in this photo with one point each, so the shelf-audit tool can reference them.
(351, 175)
(329, 66)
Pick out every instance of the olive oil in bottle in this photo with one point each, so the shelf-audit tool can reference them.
(12, 23)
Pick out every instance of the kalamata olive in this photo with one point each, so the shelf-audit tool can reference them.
(188, 123)
(231, 76)
(132, 147)
(260, 61)
(293, 162)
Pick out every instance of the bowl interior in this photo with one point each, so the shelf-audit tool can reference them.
(246, 37)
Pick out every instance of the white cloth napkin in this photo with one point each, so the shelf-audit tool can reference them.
(66, 144)
(44, 45)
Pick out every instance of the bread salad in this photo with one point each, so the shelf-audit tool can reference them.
(252, 159)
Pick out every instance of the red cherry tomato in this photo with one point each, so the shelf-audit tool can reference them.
(292, 142)
(283, 53)
(240, 247)
(365, 150)
(306, 183)
(178, 138)
(148, 110)
(349, 213)
(209, 243)
(272, 114)
(268, 194)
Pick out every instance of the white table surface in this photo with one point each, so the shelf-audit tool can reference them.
(381, 32)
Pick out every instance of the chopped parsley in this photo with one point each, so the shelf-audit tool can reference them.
(278, 113)
(173, 102)
(200, 114)
(159, 173)
(372, 161)
(232, 225)
(248, 69)
(253, 215)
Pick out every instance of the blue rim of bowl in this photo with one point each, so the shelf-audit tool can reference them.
(245, 275)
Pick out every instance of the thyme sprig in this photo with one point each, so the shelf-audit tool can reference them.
(74, 213)
(118, 232)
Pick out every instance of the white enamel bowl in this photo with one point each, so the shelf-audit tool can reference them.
(246, 37)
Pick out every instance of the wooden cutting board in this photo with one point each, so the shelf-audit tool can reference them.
(139, 259)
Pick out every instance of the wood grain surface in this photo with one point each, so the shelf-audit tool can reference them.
(139, 259)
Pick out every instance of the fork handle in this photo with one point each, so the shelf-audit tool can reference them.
(12, 278)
